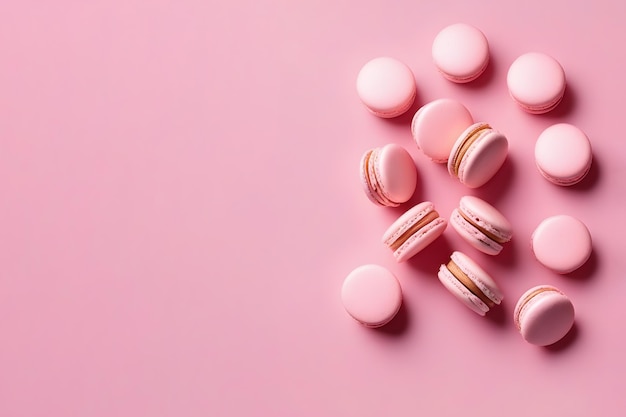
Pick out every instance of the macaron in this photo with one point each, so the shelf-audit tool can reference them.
(544, 315)
(388, 175)
(563, 154)
(481, 225)
(437, 125)
(477, 155)
(414, 231)
(536, 82)
(561, 243)
(386, 86)
(469, 283)
(372, 295)
(460, 52)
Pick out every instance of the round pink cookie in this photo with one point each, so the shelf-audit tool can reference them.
(544, 315)
(372, 295)
(481, 225)
(461, 52)
(563, 154)
(437, 125)
(386, 87)
(470, 283)
(561, 243)
(536, 82)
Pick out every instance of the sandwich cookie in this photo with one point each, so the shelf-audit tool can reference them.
(563, 154)
(388, 175)
(561, 243)
(460, 52)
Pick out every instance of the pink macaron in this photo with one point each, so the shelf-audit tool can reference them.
(477, 155)
(460, 52)
(372, 295)
(561, 243)
(536, 82)
(437, 125)
(414, 231)
(470, 283)
(481, 225)
(563, 154)
(544, 315)
(386, 86)
(388, 175)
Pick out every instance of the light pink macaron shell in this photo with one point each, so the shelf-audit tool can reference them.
(563, 154)
(561, 243)
(437, 125)
(372, 295)
(461, 52)
(396, 173)
(546, 318)
(473, 236)
(386, 86)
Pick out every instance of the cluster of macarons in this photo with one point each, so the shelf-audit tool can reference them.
(445, 132)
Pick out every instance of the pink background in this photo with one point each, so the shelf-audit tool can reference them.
(180, 203)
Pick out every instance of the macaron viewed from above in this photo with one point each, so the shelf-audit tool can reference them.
(437, 125)
(563, 154)
(544, 315)
(481, 225)
(414, 231)
(372, 295)
(386, 86)
(460, 52)
(477, 155)
(561, 243)
(469, 283)
(536, 82)
(388, 175)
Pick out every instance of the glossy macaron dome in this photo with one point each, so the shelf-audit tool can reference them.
(481, 225)
(563, 154)
(437, 125)
(469, 283)
(372, 295)
(561, 243)
(386, 86)
(413, 231)
(460, 52)
(544, 315)
(536, 81)
(388, 175)
(477, 155)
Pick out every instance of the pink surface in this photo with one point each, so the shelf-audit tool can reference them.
(180, 206)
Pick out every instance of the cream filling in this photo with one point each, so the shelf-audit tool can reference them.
(482, 230)
(413, 229)
(470, 138)
(468, 283)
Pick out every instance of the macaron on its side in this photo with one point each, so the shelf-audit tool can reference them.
(473, 235)
(388, 175)
(460, 52)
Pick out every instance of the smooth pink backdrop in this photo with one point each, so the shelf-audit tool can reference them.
(180, 202)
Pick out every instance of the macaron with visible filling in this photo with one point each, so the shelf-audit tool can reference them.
(460, 52)
(563, 154)
(469, 283)
(561, 243)
(414, 231)
(544, 315)
(477, 155)
(388, 175)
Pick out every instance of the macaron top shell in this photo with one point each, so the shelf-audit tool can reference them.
(388, 175)
(437, 125)
(561, 243)
(461, 52)
(563, 154)
(372, 295)
(386, 86)
(536, 81)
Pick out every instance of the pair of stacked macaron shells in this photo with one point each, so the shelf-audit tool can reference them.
(445, 132)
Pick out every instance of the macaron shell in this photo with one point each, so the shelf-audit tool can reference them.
(406, 220)
(421, 239)
(483, 159)
(486, 216)
(561, 243)
(546, 318)
(461, 52)
(437, 125)
(396, 173)
(473, 236)
(367, 188)
(456, 288)
(563, 154)
(478, 276)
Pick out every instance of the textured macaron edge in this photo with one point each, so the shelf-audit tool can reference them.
(370, 175)
(429, 232)
(530, 298)
(566, 181)
(453, 285)
(474, 272)
(468, 78)
(473, 235)
(478, 217)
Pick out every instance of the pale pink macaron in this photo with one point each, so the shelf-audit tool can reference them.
(460, 52)
(372, 295)
(536, 82)
(544, 315)
(481, 225)
(388, 175)
(563, 154)
(470, 283)
(477, 155)
(386, 86)
(561, 243)
(437, 125)
(414, 231)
